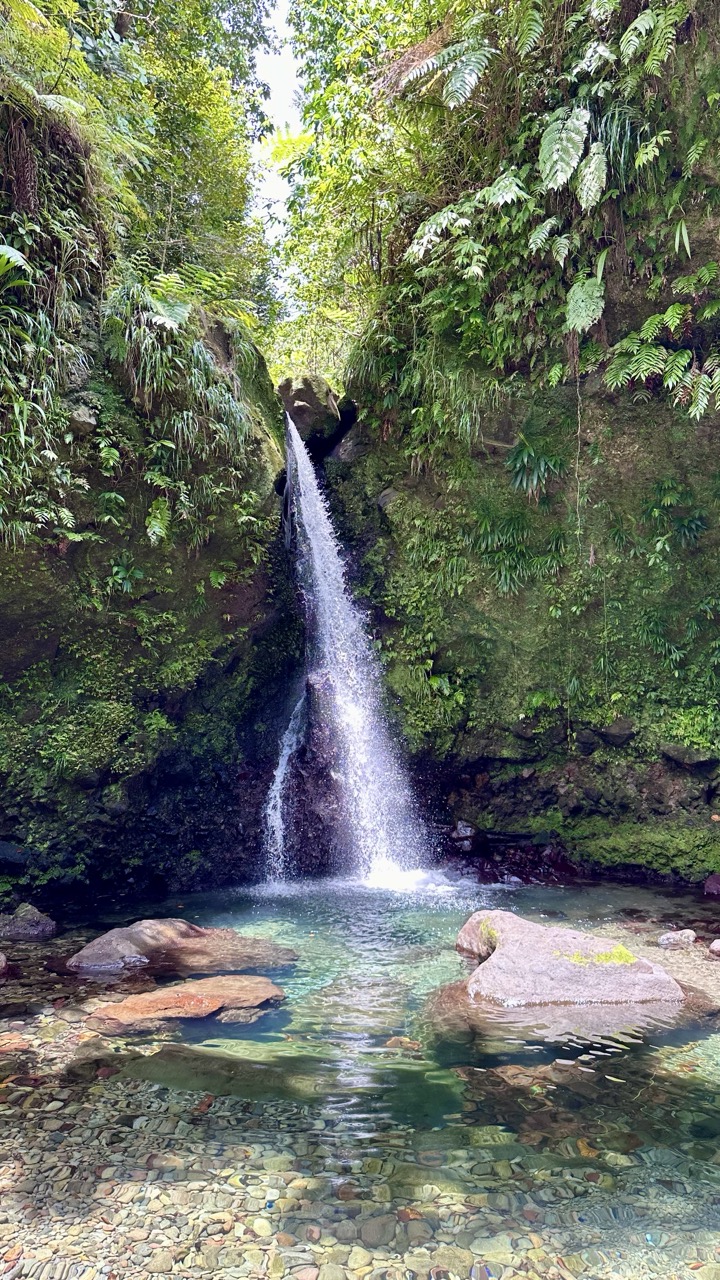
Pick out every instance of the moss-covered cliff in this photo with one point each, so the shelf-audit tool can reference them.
(555, 648)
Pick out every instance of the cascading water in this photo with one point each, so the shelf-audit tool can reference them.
(385, 840)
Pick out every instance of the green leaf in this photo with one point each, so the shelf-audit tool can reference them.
(539, 236)
(12, 260)
(562, 145)
(592, 176)
(585, 305)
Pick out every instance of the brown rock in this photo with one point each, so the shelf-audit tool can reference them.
(523, 963)
(176, 946)
(27, 924)
(195, 999)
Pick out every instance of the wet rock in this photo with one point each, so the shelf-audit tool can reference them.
(27, 924)
(312, 405)
(677, 939)
(619, 733)
(712, 885)
(378, 1231)
(152, 1010)
(523, 963)
(3, 964)
(714, 949)
(331, 1271)
(176, 946)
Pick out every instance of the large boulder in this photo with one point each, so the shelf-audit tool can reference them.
(239, 998)
(523, 963)
(27, 924)
(176, 946)
(312, 405)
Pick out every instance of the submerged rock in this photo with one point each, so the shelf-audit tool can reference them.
(677, 939)
(240, 998)
(523, 963)
(176, 946)
(27, 924)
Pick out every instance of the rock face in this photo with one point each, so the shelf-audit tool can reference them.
(522, 963)
(315, 826)
(176, 946)
(236, 999)
(27, 924)
(312, 405)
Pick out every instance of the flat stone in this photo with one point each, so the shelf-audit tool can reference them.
(197, 998)
(177, 946)
(677, 939)
(523, 963)
(687, 757)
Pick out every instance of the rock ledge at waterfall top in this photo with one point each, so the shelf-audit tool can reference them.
(238, 998)
(178, 947)
(523, 963)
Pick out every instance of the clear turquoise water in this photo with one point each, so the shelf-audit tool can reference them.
(532, 1157)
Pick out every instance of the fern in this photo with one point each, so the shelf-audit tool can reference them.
(528, 28)
(592, 176)
(539, 236)
(562, 145)
(464, 77)
(157, 521)
(505, 190)
(650, 150)
(585, 305)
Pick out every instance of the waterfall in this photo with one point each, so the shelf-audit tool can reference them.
(274, 819)
(383, 834)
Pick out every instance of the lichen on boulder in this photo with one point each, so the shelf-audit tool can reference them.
(524, 963)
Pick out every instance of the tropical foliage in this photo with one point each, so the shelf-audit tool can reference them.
(125, 226)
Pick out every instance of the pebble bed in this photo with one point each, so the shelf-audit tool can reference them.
(596, 1167)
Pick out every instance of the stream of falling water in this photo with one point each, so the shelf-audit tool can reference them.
(386, 838)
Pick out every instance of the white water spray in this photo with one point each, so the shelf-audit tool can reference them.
(274, 821)
(386, 838)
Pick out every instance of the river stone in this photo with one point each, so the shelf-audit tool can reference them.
(712, 885)
(714, 950)
(523, 963)
(677, 940)
(176, 946)
(194, 999)
(378, 1231)
(27, 924)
